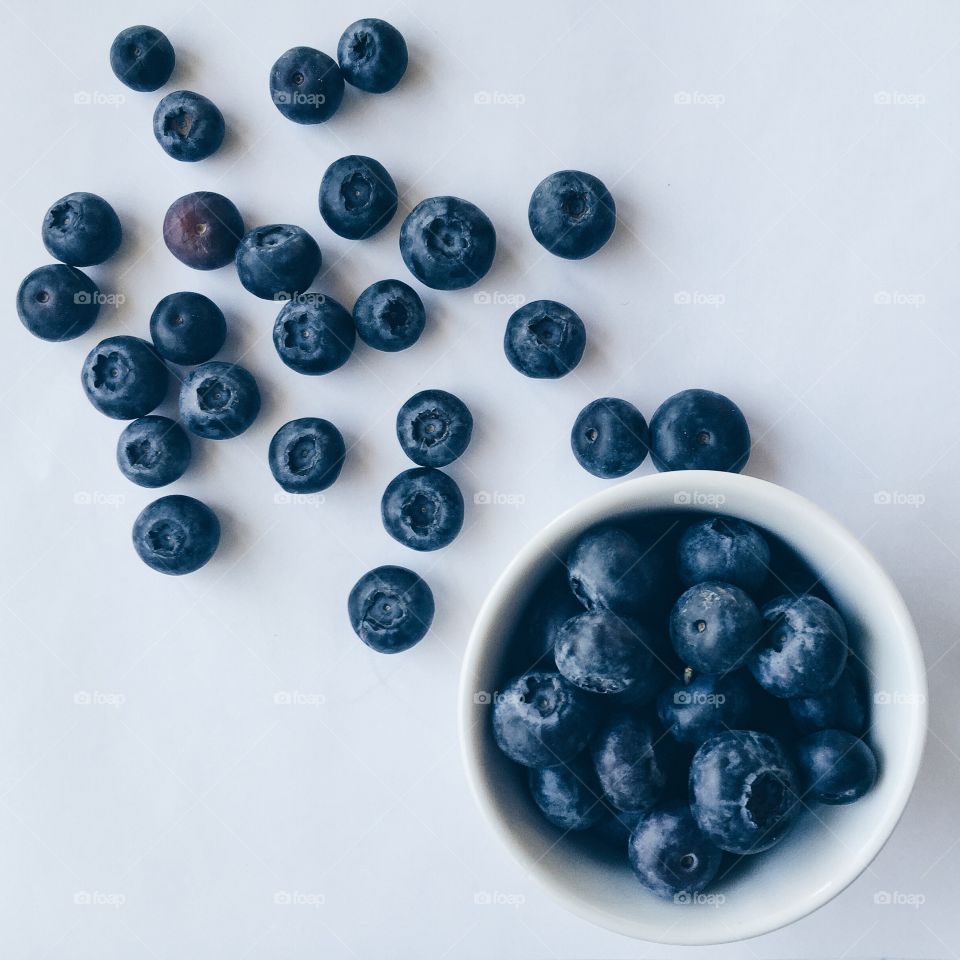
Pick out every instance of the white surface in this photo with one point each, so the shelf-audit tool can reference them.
(821, 185)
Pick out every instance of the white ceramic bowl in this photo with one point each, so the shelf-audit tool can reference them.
(828, 849)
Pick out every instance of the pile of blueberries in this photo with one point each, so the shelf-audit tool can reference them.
(681, 689)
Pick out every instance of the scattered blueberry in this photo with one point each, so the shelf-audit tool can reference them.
(434, 428)
(803, 649)
(696, 711)
(835, 766)
(568, 794)
(153, 451)
(544, 339)
(306, 86)
(670, 856)
(743, 790)
(391, 609)
(389, 316)
(372, 55)
(187, 328)
(699, 430)
(447, 243)
(278, 261)
(176, 534)
(724, 549)
(81, 229)
(539, 719)
(142, 58)
(572, 214)
(124, 378)
(714, 627)
(843, 706)
(306, 455)
(202, 230)
(188, 126)
(627, 763)
(422, 508)
(358, 198)
(57, 302)
(610, 438)
(219, 400)
(314, 334)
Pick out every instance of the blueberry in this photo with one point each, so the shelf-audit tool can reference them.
(743, 791)
(372, 55)
(544, 339)
(803, 649)
(714, 627)
(57, 302)
(306, 455)
(572, 214)
(843, 706)
(611, 569)
(447, 243)
(551, 606)
(219, 400)
(602, 652)
(696, 711)
(81, 229)
(188, 126)
(389, 316)
(699, 430)
(187, 328)
(124, 378)
(422, 508)
(725, 549)
(278, 261)
(568, 794)
(627, 763)
(153, 451)
(609, 438)
(670, 855)
(142, 58)
(202, 230)
(176, 534)
(835, 766)
(539, 719)
(358, 198)
(314, 334)
(391, 609)
(434, 428)
(306, 86)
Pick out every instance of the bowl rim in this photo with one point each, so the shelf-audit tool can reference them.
(609, 503)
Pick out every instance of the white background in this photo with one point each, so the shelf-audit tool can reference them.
(790, 169)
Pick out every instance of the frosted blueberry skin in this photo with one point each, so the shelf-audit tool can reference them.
(372, 55)
(724, 549)
(572, 214)
(389, 316)
(202, 230)
(142, 58)
(568, 794)
(188, 126)
(714, 627)
(306, 86)
(153, 451)
(447, 243)
(550, 607)
(278, 261)
(124, 378)
(743, 791)
(610, 438)
(176, 534)
(314, 334)
(803, 648)
(670, 856)
(187, 328)
(358, 197)
(390, 609)
(219, 400)
(835, 767)
(544, 339)
(844, 706)
(627, 762)
(56, 302)
(706, 706)
(539, 719)
(306, 455)
(434, 428)
(422, 508)
(81, 229)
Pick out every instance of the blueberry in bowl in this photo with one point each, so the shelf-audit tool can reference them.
(176, 534)
(188, 126)
(153, 451)
(725, 549)
(434, 428)
(447, 243)
(203, 230)
(391, 609)
(699, 430)
(142, 58)
(306, 85)
(568, 794)
(572, 214)
(57, 302)
(835, 767)
(278, 261)
(81, 229)
(124, 378)
(544, 339)
(422, 508)
(187, 328)
(219, 400)
(627, 758)
(389, 316)
(314, 334)
(372, 55)
(306, 455)
(358, 197)
(610, 438)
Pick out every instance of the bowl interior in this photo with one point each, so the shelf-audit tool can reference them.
(830, 846)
